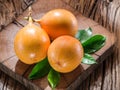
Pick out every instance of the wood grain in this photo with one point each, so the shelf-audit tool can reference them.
(8, 83)
(10, 9)
(6, 42)
(20, 71)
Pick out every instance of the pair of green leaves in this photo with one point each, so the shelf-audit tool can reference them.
(43, 68)
(91, 43)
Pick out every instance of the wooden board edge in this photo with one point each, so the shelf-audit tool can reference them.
(19, 78)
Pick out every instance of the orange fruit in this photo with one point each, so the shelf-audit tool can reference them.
(59, 22)
(65, 54)
(31, 43)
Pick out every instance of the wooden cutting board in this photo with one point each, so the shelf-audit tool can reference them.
(10, 64)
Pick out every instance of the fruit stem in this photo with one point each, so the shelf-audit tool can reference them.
(30, 15)
(38, 21)
(30, 11)
(30, 20)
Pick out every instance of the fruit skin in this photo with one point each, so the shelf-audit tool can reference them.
(65, 54)
(59, 22)
(31, 44)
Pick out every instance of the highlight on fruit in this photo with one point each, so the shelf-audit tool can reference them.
(59, 22)
(31, 43)
(65, 54)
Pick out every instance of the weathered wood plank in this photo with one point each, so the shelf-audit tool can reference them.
(10, 9)
(6, 42)
(80, 73)
(8, 83)
(11, 62)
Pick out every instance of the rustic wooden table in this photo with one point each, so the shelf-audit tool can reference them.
(106, 76)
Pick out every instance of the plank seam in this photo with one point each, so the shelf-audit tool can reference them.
(17, 23)
(7, 59)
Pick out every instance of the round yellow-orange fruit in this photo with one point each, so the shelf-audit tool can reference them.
(31, 44)
(59, 22)
(65, 54)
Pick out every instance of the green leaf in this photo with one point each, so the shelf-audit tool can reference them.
(40, 69)
(88, 59)
(83, 35)
(53, 78)
(94, 43)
